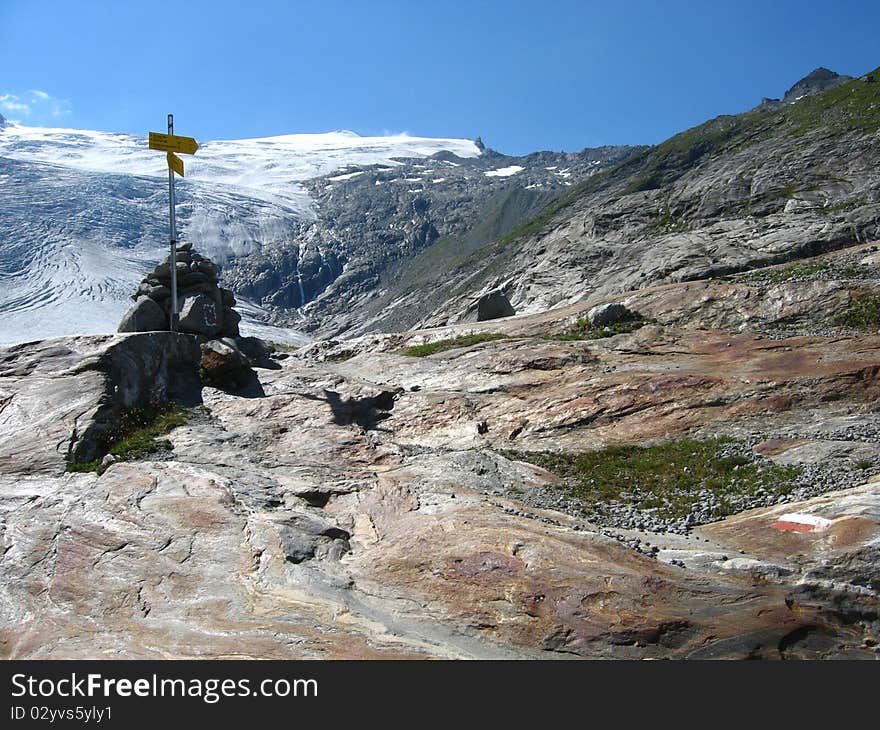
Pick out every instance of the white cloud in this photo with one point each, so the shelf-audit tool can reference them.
(35, 107)
(11, 103)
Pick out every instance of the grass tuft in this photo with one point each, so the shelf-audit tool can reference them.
(862, 314)
(137, 433)
(451, 344)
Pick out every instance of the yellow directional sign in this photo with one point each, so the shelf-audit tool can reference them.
(173, 143)
(174, 163)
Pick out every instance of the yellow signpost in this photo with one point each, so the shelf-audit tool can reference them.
(174, 163)
(173, 143)
(169, 143)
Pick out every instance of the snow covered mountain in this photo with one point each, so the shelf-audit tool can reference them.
(84, 214)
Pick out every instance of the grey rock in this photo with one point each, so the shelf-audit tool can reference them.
(144, 316)
(815, 82)
(199, 315)
(611, 313)
(68, 393)
(253, 347)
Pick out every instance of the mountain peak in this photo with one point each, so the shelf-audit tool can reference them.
(815, 82)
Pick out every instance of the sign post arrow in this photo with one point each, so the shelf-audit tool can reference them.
(174, 163)
(173, 143)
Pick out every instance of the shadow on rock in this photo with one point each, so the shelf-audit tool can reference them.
(249, 386)
(366, 412)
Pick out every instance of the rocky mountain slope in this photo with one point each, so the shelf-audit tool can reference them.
(380, 227)
(770, 185)
(788, 179)
(367, 500)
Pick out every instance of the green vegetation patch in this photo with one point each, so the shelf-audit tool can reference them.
(792, 272)
(843, 206)
(583, 330)
(828, 270)
(862, 314)
(666, 222)
(666, 479)
(453, 343)
(854, 105)
(137, 434)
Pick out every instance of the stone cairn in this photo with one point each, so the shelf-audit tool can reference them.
(205, 310)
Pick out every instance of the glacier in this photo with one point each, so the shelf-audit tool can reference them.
(84, 214)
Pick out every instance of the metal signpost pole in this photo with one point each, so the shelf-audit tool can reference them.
(170, 144)
(173, 236)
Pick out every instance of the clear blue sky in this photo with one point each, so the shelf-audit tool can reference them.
(525, 75)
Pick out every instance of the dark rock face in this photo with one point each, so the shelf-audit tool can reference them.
(199, 315)
(205, 308)
(494, 305)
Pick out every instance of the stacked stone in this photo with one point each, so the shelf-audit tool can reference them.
(205, 308)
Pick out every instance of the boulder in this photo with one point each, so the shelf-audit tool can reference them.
(223, 365)
(144, 316)
(611, 313)
(494, 305)
(254, 348)
(199, 315)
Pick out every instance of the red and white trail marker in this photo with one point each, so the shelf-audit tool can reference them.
(801, 522)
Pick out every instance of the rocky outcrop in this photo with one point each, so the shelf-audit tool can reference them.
(204, 307)
(223, 364)
(61, 399)
(366, 504)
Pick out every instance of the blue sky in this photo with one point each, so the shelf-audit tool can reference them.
(525, 76)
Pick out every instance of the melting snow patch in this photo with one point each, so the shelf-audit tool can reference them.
(504, 171)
